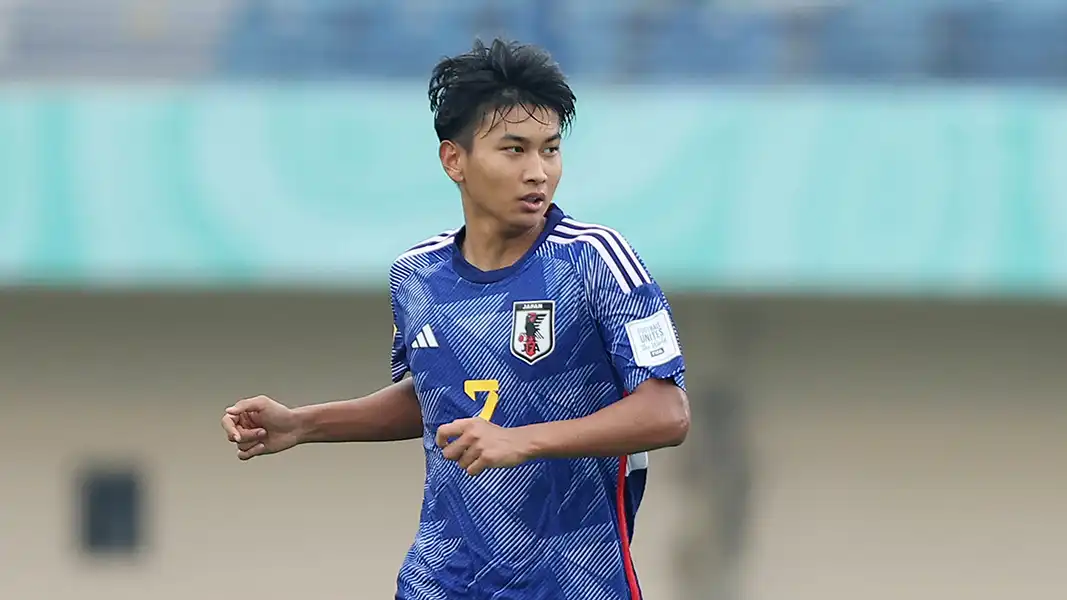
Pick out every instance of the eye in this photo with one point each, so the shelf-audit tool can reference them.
(514, 149)
(552, 150)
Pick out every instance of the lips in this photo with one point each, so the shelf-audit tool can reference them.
(532, 203)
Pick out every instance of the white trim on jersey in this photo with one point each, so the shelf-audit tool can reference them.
(425, 338)
(609, 260)
(638, 278)
(622, 242)
(636, 462)
(437, 238)
(429, 245)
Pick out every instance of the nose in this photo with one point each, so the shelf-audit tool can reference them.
(535, 171)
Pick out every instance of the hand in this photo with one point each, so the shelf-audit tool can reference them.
(261, 426)
(478, 445)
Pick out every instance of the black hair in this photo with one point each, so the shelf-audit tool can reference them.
(492, 79)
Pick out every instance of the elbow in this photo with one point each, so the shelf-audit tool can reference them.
(678, 431)
(664, 413)
(676, 428)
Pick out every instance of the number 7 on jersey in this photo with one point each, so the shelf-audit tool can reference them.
(490, 387)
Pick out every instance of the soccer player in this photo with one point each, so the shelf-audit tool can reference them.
(543, 360)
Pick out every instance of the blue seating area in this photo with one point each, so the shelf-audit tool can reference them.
(608, 40)
(1025, 40)
(626, 40)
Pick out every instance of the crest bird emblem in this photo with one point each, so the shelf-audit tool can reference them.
(533, 330)
(532, 334)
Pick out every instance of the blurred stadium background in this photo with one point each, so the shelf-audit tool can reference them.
(858, 207)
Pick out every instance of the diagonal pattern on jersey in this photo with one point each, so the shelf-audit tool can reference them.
(547, 529)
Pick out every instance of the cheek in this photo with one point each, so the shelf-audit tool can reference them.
(488, 175)
(499, 171)
(554, 170)
(478, 174)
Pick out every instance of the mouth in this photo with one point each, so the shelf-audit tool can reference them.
(533, 202)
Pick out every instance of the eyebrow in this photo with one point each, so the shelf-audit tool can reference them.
(511, 137)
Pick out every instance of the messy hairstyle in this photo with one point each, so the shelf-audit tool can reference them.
(492, 80)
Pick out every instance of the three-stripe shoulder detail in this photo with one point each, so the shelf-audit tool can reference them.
(419, 256)
(430, 244)
(614, 250)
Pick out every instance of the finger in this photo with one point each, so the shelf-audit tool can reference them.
(451, 431)
(255, 434)
(250, 437)
(246, 446)
(478, 467)
(252, 452)
(469, 457)
(458, 448)
(229, 425)
(254, 404)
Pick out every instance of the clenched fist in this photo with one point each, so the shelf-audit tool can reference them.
(477, 445)
(261, 426)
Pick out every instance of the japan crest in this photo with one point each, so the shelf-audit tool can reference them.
(533, 330)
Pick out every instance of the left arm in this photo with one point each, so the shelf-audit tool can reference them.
(635, 322)
(655, 415)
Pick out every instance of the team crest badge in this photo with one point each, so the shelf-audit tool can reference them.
(533, 330)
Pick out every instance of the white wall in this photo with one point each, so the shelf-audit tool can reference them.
(909, 452)
(899, 450)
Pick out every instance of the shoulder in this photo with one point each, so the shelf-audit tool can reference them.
(423, 254)
(600, 252)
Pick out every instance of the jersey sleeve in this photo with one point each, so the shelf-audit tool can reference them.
(399, 356)
(632, 313)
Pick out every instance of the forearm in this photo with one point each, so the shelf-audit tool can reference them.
(390, 414)
(636, 423)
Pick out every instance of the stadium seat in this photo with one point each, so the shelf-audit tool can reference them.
(634, 39)
(873, 40)
(1023, 42)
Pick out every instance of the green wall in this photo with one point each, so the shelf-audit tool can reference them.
(828, 190)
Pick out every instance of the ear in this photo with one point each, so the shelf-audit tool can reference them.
(452, 159)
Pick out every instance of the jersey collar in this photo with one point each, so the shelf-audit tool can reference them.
(471, 273)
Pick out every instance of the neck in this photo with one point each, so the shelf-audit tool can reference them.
(488, 246)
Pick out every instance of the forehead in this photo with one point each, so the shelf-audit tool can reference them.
(532, 122)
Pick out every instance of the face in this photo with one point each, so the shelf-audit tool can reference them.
(511, 171)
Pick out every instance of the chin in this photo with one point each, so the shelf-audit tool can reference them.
(522, 220)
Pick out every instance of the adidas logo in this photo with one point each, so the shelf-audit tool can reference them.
(425, 339)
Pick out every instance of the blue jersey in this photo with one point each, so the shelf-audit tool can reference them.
(572, 327)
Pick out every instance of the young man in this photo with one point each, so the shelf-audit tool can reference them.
(543, 358)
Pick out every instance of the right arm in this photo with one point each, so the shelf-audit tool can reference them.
(390, 414)
(260, 425)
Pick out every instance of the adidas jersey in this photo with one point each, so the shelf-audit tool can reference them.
(570, 328)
